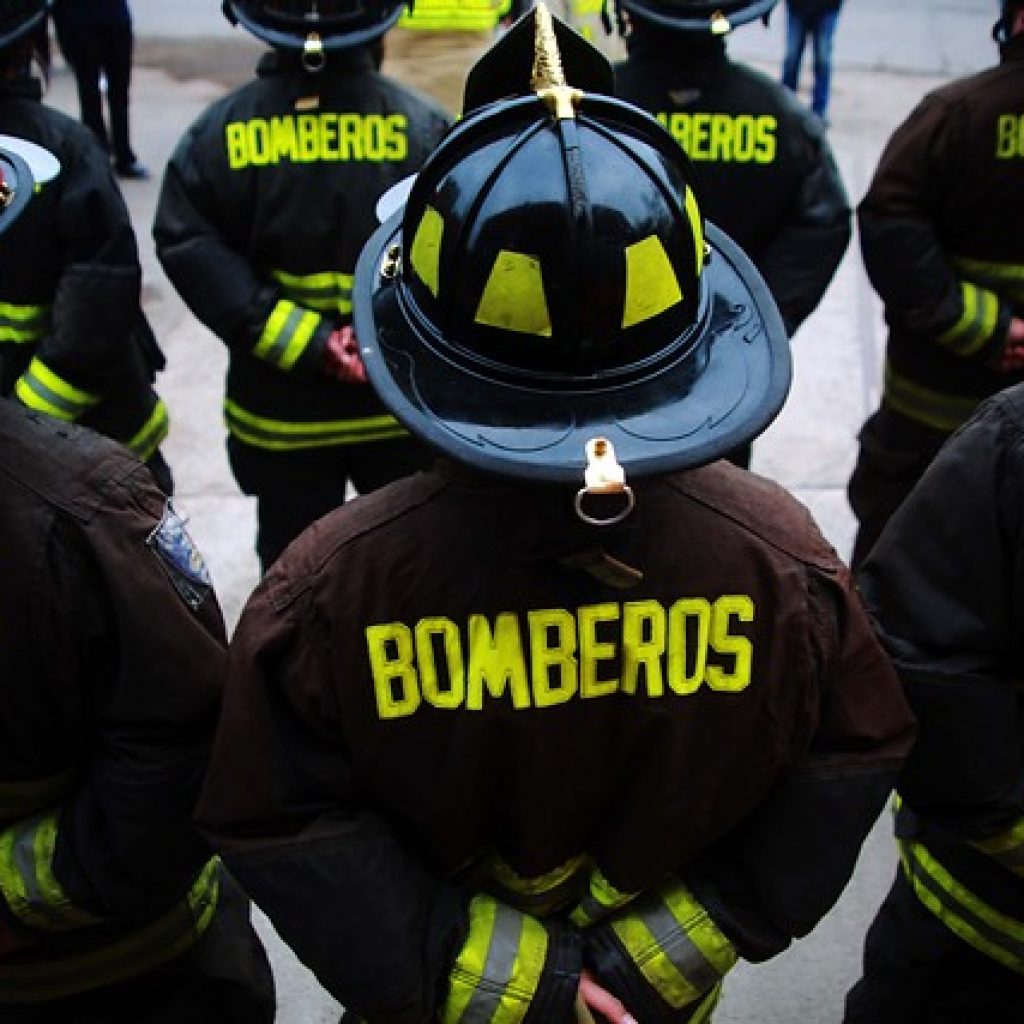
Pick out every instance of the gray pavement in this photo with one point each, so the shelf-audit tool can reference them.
(888, 54)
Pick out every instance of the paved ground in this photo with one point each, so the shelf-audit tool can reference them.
(888, 54)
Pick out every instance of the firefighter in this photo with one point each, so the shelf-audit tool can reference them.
(944, 586)
(112, 653)
(263, 209)
(74, 342)
(763, 167)
(942, 234)
(573, 700)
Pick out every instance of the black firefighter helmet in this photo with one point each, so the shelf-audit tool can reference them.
(550, 281)
(716, 17)
(20, 17)
(314, 27)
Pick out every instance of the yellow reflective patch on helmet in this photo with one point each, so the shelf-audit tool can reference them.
(651, 283)
(513, 298)
(693, 212)
(425, 254)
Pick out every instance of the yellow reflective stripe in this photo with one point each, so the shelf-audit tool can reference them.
(20, 799)
(541, 894)
(977, 321)
(651, 283)
(152, 433)
(148, 947)
(513, 298)
(602, 898)
(280, 435)
(1005, 278)
(497, 971)
(453, 15)
(286, 334)
(425, 252)
(42, 389)
(27, 881)
(22, 324)
(707, 1007)
(693, 213)
(1007, 847)
(989, 931)
(933, 408)
(328, 291)
(675, 945)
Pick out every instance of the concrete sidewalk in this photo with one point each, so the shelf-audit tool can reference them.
(888, 55)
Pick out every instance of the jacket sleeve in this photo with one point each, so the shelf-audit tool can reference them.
(247, 312)
(800, 261)
(903, 252)
(945, 587)
(91, 345)
(117, 640)
(779, 872)
(391, 939)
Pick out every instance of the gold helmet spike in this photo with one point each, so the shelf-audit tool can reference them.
(547, 78)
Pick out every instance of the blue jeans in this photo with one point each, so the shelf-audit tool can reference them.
(822, 30)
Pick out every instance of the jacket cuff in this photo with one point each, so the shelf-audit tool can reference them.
(512, 968)
(662, 956)
(293, 338)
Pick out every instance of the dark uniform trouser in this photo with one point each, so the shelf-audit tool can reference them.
(916, 971)
(224, 979)
(894, 453)
(294, 489)
(104, 50)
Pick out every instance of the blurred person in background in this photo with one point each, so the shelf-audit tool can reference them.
(74, 342)
(763, 168)
(112, 652)
(942, 236)
(815, 20)
(96, 39)
(264, 207)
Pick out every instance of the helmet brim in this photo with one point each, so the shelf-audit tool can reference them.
(333, 40)
(680, 19)
(18, 178)
(675, 417)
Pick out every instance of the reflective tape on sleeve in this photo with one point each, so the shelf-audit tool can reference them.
(286, 334)
(675, 945)
(27, 882)
(152, 433)
(600, 900)
(45, 391)
(498, 969)
(23, 324)
(327, 291)
(978, 318)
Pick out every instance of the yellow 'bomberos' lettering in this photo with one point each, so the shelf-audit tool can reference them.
(638, 648)
(310, 138)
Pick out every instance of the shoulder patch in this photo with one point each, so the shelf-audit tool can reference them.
(180, 558)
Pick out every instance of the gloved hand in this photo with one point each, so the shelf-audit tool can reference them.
(341, 357)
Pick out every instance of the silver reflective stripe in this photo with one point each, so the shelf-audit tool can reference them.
(680, 949)
(502, 950)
